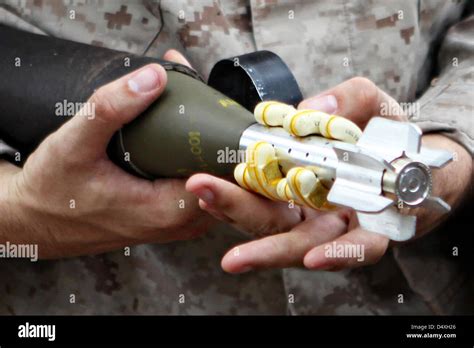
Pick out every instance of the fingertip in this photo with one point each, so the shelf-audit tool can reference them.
(203, 205)
(197, 182)
(175, 56)
(170, 54)
(327, 103)
(200, 185)
(162, 75)
(231, 264)
(220, 188)
(214, 212)
(315, 259)
(303, 104)
(226, 264)
(190, 184)
(148, 80)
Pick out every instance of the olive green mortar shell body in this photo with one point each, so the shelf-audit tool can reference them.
(184, 131)
(179, 134)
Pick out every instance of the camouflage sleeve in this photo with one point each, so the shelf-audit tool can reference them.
(448, 105)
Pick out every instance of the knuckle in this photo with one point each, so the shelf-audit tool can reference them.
(334, 222)
(169, 215)
(229, 201)
(176, 219)
(50, 145)
(57, 150)
(267, 227)
(368, 91)
(104, 107)
(362, 82)
(277, 248)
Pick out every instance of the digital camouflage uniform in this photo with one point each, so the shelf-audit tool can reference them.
(393, 43)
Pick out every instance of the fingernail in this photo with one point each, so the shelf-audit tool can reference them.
(206, 195)
(326, 103)
(145, 80)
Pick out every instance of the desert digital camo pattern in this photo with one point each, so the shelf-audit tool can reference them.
(324, 42)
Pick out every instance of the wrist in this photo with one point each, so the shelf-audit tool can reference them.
(17, 223)
(8, 201)
(451, 182)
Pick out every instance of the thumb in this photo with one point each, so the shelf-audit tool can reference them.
(357, 99)
(109, 108)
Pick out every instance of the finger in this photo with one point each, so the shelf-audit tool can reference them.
(176, 57)
(111, 106)
(250, 212)
(157, 204)
(285, 249)
(353, 249)
(357, 99)
(214, 212)
(165, 204)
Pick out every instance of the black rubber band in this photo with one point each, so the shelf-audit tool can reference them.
(254, 77)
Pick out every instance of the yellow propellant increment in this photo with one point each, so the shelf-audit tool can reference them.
(261, 172)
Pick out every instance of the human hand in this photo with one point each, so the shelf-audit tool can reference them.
(70, 199)
(308, 234)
